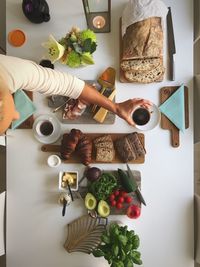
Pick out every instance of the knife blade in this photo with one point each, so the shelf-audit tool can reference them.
(171, 45)
(137, 191)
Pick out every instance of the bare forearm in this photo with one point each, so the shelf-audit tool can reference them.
(90, 95)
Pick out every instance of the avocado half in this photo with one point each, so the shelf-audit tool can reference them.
(90, 201)
(103, 208)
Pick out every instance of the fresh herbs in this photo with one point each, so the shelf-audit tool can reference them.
(119, 247)
(104, 186)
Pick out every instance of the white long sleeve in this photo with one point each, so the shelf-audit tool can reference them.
(19, 73)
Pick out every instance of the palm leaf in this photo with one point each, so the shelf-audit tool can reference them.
(84, 234)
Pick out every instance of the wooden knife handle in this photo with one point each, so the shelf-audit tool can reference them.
(50, 148)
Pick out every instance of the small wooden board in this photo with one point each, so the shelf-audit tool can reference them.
(75, 159)
(166, 124)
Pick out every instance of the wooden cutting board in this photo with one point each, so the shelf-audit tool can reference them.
(75, 159)
(166, 124)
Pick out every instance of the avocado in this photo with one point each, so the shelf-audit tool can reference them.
(90, 201)
(103, 208)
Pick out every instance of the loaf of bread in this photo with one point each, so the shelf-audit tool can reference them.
(143, 39)
(145, 64)
(105, 154)
(129, 147)
(154, 75)
(104, 148)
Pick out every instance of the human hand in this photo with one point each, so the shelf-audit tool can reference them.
(124, 109)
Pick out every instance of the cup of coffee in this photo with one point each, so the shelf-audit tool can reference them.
(141, 116)
(45, 128)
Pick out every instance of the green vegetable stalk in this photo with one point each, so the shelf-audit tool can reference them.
(119, 247)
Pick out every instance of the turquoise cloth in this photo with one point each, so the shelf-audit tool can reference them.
(174, 108)
(24, 106)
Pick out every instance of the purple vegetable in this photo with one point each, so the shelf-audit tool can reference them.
(93, 173)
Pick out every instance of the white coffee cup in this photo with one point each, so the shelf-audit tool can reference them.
(53, 161)
(45, 128)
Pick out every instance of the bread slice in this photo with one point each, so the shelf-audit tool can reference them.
(154, 75)
(125, 150)
(136, 144)
(103, 138)
(105, 145)
(104, 154)
(145, 64)
(143, 39)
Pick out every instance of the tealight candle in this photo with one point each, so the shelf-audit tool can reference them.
(99, 22)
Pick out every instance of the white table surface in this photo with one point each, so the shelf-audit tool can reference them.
(36, 230)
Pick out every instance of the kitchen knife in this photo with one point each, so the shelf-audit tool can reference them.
(137, 191)
(171, 45)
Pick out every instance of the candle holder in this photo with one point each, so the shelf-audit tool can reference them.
(98, 15)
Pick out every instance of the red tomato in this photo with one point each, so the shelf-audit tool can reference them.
(128, 199)
(113, 203)
(123, 193)
(120, 200)
(116, 193)
(133, 212)
(119, 205)
(112, 197)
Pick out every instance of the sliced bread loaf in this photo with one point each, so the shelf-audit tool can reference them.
(104, 154)
(145, 64)
(153, 75)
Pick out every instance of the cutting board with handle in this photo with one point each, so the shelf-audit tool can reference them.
(92, 136)
(166, 124)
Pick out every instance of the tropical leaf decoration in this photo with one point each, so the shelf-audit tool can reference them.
(84, 234)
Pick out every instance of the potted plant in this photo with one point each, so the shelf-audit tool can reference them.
(119, 246)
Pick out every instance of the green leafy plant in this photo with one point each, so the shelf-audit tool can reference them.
(119, 247)
(104, 186)
(75, 49)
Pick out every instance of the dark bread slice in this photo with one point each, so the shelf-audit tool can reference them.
(125, 150)
(134, 141)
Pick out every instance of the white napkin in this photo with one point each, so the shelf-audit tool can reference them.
(2, 208)
(138, 10)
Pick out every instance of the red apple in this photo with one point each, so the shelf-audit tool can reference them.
(133, 212)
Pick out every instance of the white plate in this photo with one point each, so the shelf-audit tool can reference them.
(50, 138)
(154, 119)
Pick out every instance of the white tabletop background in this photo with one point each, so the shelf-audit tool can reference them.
(36, 230)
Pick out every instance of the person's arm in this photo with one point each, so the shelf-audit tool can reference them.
(124, 109)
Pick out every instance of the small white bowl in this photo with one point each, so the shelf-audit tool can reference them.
(53, 161)
(74, 187)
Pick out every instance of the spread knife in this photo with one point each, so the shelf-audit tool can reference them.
(171, 45)
(137, 191)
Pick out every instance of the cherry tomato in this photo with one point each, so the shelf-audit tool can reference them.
(123, 193)
(113, 203)
(112, 197)
(119, 205)
(116, 193)
(128, 199)
(120, 200)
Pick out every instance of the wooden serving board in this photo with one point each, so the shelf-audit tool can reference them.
(113, 210)
(75, 159)
(166, 124)
(87, 116)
